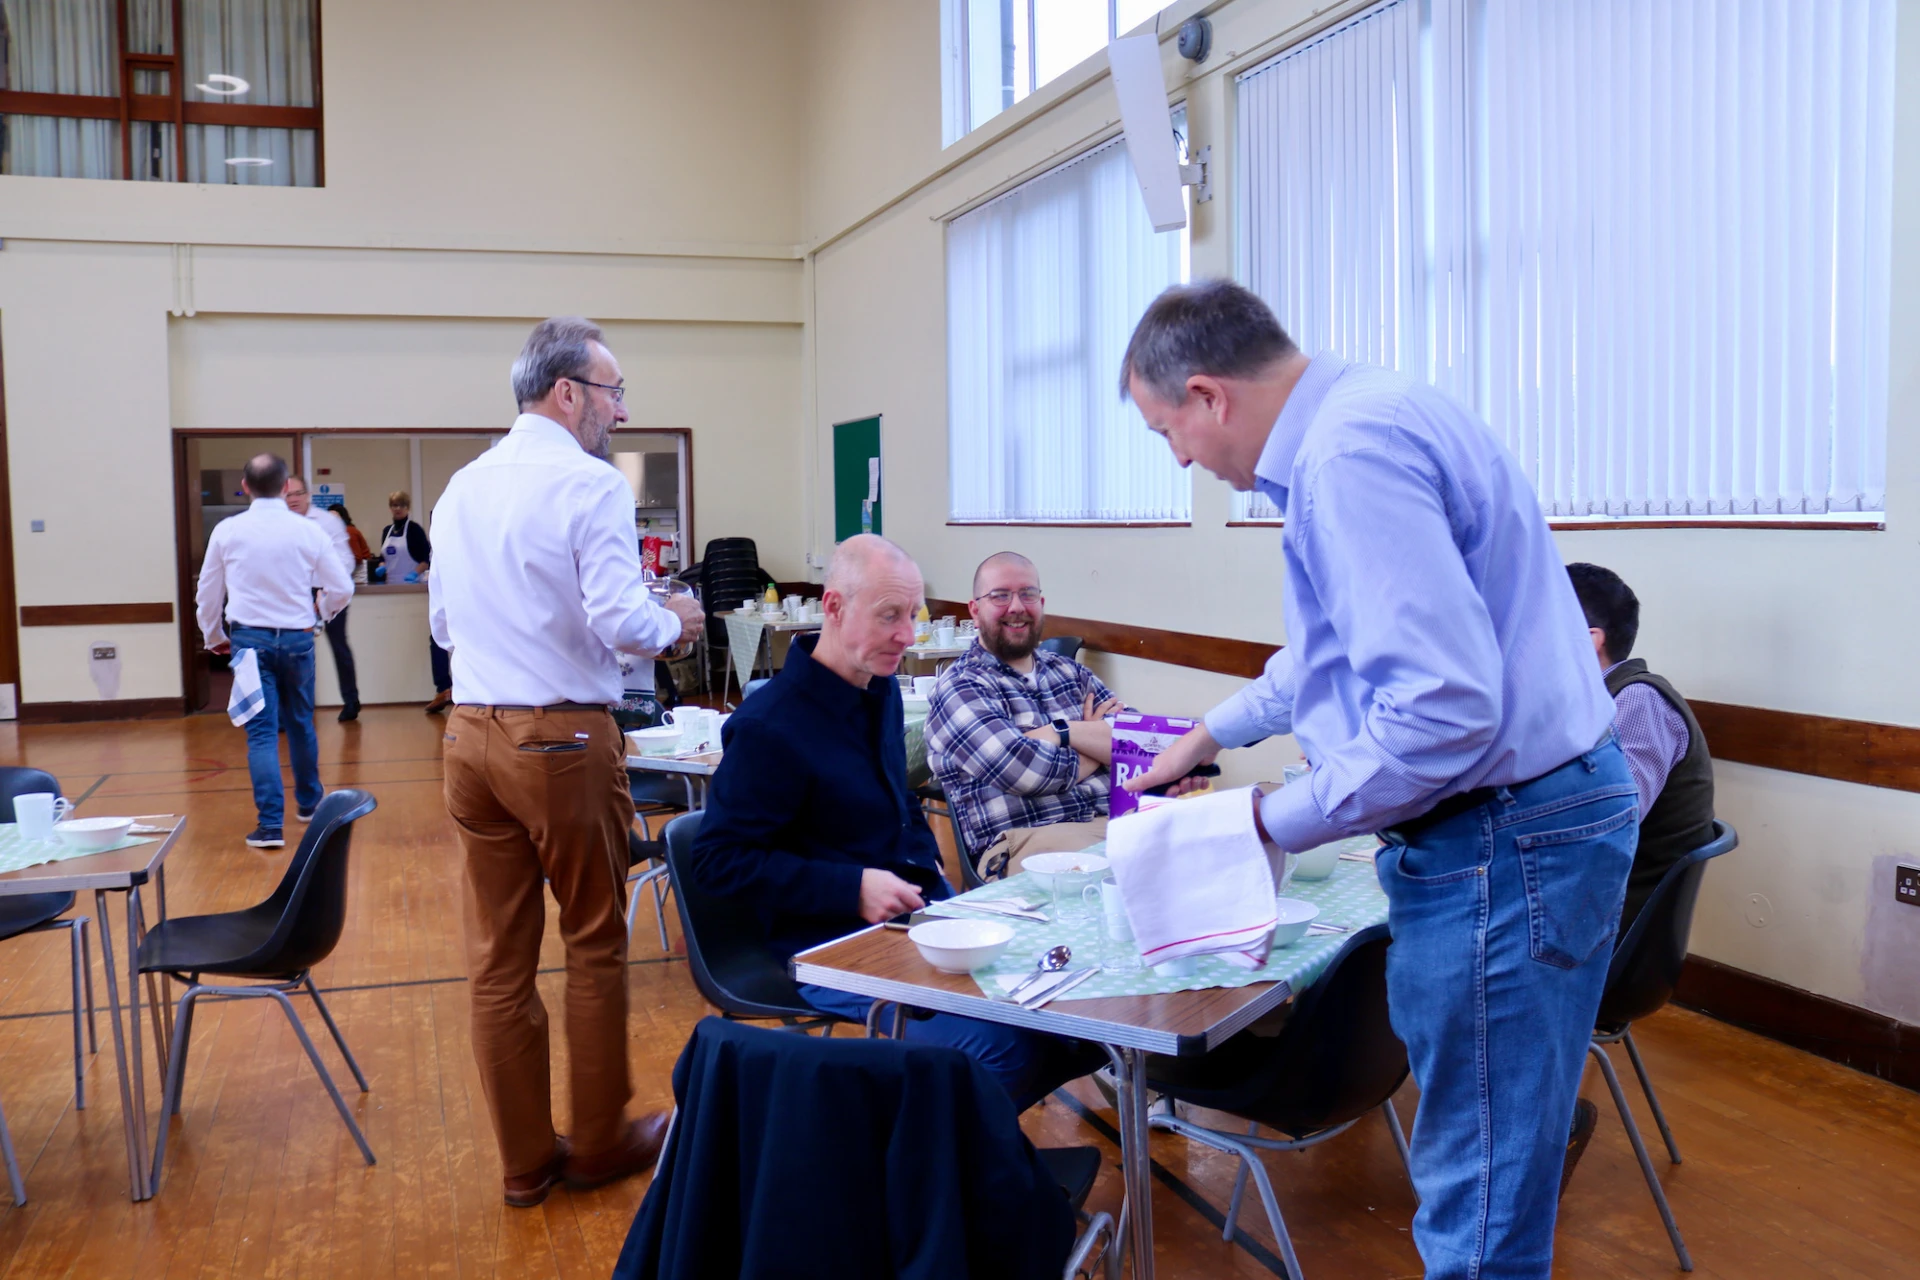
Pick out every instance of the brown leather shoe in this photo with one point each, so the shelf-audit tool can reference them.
(441, 701)
(529, 1189)
(635, 1154)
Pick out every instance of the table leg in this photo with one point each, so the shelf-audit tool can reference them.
(1136, 1161)
(137, 1062)
(136, 1155)
(726, 680)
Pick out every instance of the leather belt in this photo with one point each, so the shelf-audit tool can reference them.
(551, 706)
(1451, 807)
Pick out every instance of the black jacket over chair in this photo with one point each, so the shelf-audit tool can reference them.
(796, 1157)
(30, 911)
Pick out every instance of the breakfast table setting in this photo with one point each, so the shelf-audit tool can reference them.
(47, 851)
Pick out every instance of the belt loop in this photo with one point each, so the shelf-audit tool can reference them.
(1503, 794)
(539, 713)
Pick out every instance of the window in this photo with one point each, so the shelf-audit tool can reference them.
(102, 89)
(1332, 202)
(1651, 245)
(1044, 285)
(999, 51)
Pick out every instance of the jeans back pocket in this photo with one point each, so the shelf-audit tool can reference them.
(1576, 878)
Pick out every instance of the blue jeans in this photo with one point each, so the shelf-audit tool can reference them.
(1028, 1064)
(1503, 922)
(286, 682)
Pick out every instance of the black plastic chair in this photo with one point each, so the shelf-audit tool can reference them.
(274, 944)
(1335, 1061)
(654, 795)
(754, 686)
(1646, 967)
(1066, 646)
(41, 912)
(726, 947)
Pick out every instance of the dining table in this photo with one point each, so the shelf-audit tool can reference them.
(1179, 1011)
(751, 633)
(696, 768)
(31, 866)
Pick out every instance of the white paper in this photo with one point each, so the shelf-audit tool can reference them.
(873, 479)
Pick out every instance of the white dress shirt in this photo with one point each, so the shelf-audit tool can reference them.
(336, 530)
(536, 576)
(263, 564)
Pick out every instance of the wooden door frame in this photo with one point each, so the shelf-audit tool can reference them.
(9, 595)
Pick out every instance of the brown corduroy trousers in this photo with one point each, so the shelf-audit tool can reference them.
(542, 795)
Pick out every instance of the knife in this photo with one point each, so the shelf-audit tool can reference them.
(997, 909)
(1060, 988)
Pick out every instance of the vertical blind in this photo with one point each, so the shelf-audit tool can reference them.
(1331, 195)
(1044, 285)
(1650, 241)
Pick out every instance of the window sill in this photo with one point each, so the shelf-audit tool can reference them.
(1070, 524)
(1274, 522)
(1866, 524)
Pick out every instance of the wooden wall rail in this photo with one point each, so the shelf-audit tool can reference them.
(92, 615)
(1244, 658)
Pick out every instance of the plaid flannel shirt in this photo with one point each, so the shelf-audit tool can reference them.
(996, 777)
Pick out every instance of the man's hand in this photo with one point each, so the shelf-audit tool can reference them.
(222, 649)
(1171, 767)
(692, 615)
(884, 895)
(1090, 711)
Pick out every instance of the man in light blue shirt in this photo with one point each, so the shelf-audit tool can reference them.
(1439, 679)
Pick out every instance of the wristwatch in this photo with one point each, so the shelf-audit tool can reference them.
(1060, 727)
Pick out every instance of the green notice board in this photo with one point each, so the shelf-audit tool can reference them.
(856, 477)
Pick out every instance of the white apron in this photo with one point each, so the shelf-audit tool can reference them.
(398, 560)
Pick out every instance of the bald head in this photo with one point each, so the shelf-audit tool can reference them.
(872, 591)
(265, 475)
(1007, 559)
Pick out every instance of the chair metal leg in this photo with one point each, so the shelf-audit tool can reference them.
(1400, 1144)
(170, 1096)
(1646, 1087)
(1239, 1191)
(659, 886)
(1640, 1152)
(326, 1015)
(326, 1077)
(13, 1165)
(79, 1058)
(86, 974)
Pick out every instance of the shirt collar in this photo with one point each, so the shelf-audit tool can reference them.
(541, 427)
(824, 684)
(1273, 473)
(269, 504)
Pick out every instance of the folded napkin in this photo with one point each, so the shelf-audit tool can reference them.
(1195, 879)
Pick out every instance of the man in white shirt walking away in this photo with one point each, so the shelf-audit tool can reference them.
(536, 586)
(262, 566)
(300, 502)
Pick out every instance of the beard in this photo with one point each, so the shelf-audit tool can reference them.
(1012, 646)
(596, 432)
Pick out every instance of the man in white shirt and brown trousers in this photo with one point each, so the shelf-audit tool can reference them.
(536, 586)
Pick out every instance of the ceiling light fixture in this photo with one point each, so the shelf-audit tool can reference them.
(223, 86)
(248, 162)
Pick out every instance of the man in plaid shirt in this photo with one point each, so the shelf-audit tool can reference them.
(1018, 736)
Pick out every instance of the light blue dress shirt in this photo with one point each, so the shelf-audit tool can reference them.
(1435, 644)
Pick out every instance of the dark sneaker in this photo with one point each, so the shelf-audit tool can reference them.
(349, 713)
(1585, 1117)
(303, 815)
(266, 838)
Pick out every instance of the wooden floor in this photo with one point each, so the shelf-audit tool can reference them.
(1795, 1167)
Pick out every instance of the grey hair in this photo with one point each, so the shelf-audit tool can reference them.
(557, 348)
(1215, 327)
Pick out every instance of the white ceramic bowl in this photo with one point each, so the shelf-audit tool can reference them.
(92, 834)
(1318, 863)
(961, 946)
(1294, 916)
(910, 703)
(661, 740)
(1044, 866)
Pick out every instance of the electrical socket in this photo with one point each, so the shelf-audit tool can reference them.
(105, 653)
(1906, 885)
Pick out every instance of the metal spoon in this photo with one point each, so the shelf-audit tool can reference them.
(1052, 960)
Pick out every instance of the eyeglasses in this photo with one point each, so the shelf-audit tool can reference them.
(1002, 597)
(619, 393)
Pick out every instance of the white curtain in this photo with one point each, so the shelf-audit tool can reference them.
(1331, 197)
(269, 44)
(1044, 286)
(62, 46)
(1687, 208)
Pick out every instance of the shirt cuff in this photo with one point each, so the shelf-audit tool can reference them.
(1235, 722)
(1293, 819)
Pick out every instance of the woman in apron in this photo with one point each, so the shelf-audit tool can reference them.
(405, 554)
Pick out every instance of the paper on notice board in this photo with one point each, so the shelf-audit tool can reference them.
(873, 479)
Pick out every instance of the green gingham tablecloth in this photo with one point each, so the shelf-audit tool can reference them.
(743, 638)
(1350, 896)
(16, 851)
(918, 770)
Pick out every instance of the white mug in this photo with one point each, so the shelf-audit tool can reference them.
(692, 723)
(923, 686)
(36, 813)
(943, 634)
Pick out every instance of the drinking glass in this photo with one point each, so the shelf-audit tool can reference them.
(1069, 904)
(1118, 952)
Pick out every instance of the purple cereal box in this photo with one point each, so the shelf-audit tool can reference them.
(1137, 739)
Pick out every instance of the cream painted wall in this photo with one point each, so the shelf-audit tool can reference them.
(1809, 621)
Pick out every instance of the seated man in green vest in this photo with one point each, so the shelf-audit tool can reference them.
(1666, 754)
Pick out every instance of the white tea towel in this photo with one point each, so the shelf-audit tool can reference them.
(244, 703)
(1195, 879)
